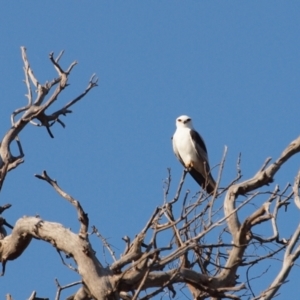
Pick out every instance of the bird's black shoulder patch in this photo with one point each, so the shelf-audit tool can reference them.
(198, 139)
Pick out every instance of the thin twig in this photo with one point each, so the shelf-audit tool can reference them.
(105, 243)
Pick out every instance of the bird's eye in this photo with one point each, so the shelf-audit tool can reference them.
(179, 120)
(188, 120)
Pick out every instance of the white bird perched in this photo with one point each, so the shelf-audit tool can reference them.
(190, 149)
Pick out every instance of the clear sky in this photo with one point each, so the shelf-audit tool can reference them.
(233, 66)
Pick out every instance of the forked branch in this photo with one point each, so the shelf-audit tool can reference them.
(37, 109)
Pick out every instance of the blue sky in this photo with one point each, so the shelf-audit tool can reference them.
(232, 66)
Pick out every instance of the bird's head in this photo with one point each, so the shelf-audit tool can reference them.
(184, 122)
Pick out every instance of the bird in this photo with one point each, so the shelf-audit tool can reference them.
(190, 149)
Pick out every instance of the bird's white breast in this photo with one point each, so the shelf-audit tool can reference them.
(184, 145)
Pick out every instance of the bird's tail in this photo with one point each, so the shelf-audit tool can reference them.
(208, 183)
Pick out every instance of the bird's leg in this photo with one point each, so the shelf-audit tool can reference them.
(189, 166)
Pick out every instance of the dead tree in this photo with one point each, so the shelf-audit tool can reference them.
(205, 247)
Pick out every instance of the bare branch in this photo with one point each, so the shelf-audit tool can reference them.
(167, 184)
(179, 187)
(296, 190)
(105, 243)
(82, 216)
(64, 263)
(134, 253)
(213, 198)
(36, 110)
(61, 288)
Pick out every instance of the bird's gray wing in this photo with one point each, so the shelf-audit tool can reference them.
(201, 170)
(200, 148)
